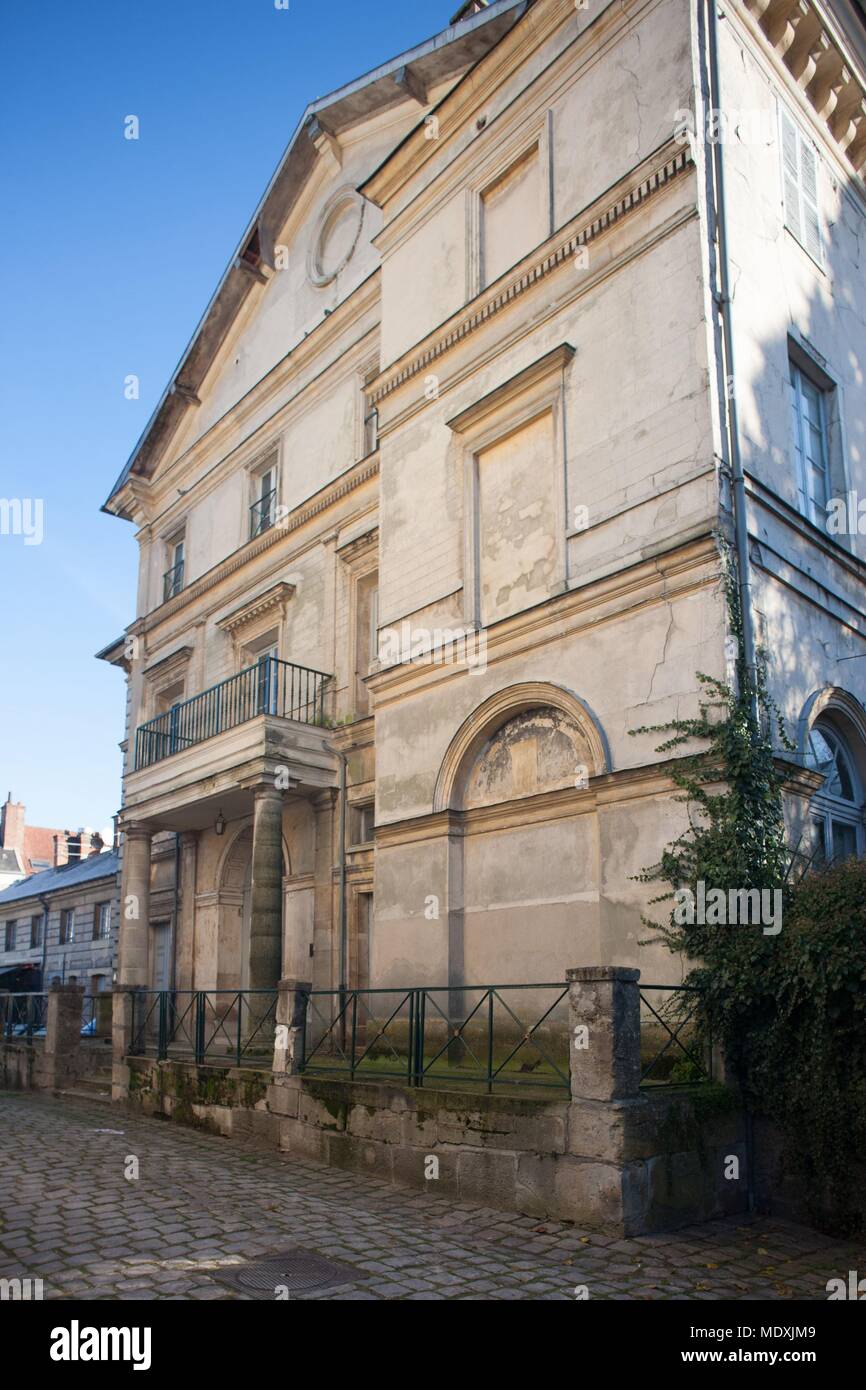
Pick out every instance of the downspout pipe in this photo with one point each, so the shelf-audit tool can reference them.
(731, 432)
(46, 907)
(730, 413)
(344, 935)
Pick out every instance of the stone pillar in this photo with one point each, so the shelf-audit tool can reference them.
(266, 924)
(185, 925)
(289, 1046)
(604, 1008)
(134, 907)
(60, 1063)
(122, 1024)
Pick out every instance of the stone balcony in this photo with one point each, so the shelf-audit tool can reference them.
(269, 722)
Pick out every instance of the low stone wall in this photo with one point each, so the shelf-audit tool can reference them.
(647, 1164)
(18, 1065)
(653, 1163)
(606, 1155)
(229, 1101)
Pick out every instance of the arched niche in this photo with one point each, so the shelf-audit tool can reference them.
(525, 740)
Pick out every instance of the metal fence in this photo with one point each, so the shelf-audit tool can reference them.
(231, 1027)
(96, 1016)
(22, 1016)
(269, 687)
(671, 1054)
(478, 1036)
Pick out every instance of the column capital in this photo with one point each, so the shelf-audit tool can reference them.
(137, 830)
(266, 791)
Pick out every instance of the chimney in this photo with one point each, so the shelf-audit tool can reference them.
(90, 843)
(12, 824)
(61, 850)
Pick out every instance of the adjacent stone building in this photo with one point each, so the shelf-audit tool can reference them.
(429, 516)
(62, 924)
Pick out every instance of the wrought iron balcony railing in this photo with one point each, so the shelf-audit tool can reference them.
(263, 513)
(270, 687)
(172, 581)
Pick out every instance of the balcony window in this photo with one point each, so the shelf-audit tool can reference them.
(263, 509)
(172, 580)
(265, 686)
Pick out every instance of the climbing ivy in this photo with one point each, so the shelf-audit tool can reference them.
(787, 1008)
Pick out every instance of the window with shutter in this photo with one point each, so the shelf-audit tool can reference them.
(800, 185)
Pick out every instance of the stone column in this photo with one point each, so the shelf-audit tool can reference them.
(134, 907)
(266, 924)
(604, 1008)
(60, 1063)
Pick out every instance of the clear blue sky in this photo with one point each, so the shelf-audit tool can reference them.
(111, 250)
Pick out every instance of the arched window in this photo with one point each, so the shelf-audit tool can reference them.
(837, 809)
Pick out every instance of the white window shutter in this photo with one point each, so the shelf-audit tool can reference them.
(791, 173)
(809, 190)
(800, 184)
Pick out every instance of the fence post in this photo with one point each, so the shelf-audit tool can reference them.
(199, 1026)
(291, 1030)
(604, 1009)
(60, 1062)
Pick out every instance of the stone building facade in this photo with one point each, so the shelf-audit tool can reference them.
(62, 925)
(430, 514)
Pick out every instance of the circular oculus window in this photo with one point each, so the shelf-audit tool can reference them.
(337, 236)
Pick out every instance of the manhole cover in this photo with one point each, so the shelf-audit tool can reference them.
(298, 1271)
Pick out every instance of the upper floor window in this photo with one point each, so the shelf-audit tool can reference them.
(800, 186)
(369, 413)
(364, 819)
(102, 921)
(172, 580)
(810, 412)
(9, 939)
(837, 808)
(264, 504)
(37, 929)
(67, 926)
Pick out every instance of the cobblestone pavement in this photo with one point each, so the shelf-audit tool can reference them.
(202, 1203)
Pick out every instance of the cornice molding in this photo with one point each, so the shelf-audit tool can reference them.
(817, 58)
(549, 365)
(276, 597)
(471, 94)
(684, 569)
(668, 164)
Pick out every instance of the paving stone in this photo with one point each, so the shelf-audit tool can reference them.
(212, 1203)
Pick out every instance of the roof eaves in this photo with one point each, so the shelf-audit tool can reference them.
(223, 306)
